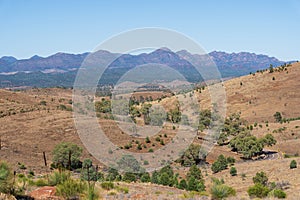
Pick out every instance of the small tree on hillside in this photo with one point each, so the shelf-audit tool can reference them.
(89, 172)
(174, 115)
(271, 68)
(67, 154)
(220, 164)
(129, 164)
(268, 140)
(192, 156)
(260, 178)
(195, 172)
(195, 179)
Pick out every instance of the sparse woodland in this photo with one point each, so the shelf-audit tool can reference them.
(255, 153)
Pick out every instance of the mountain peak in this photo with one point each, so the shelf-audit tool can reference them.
(8, 59)
(36, 57)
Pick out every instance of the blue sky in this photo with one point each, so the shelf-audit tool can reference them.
(41, 27)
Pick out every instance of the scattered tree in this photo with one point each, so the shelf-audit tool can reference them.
(174, 115)
(193, 155)
(220, 164)
(260, 178)
(195, 179)
(129, 164)
(89, 172)
(67, 153)
(268, 140)
(103, 106)
(271, 69)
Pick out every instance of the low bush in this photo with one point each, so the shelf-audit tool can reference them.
(107, 185)
(258, 190)
(221, 191)
(280, 194)
(293, 164)
(70, 189)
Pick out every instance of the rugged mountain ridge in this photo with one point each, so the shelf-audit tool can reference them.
(60, 68)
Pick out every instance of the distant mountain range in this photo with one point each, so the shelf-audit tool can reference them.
(60, 69)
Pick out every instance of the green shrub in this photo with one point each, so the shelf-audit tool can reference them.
(146, 162)
(107, 185)
(145, 178)
(124, 190)
(221, 191)
(6, 178)
(279, 194)
(278, 117)
(193, 155)
(258, 190)
(220, 164)
(112, 174)
(147, 140)
(150, 150)
(233, 171)
(230, 160)
(92, 193)
(260, 178)
(139, 147)
(41, 182)
(165, 179)
(70, 189)
(22, 166)
(128, 163)
(195, 184)
(129, 177)
(58, 178)
(155, 177)
(182, 184)
(31, 173)
(43, 103)
(195, 171)
(293, 164)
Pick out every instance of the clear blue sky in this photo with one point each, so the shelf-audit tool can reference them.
(42, 27)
